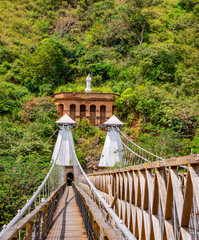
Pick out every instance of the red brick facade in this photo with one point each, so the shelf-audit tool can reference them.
(97, 107)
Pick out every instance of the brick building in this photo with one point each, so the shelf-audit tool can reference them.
(97, 107)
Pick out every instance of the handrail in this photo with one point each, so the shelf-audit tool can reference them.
(110, 211)
(21, 223)
(160, 192)
(172, 162)
(94, 213)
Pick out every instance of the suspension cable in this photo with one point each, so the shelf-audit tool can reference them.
(52, 135)
(140, 148)
(138, 145)
(129, 148)
(30, 202)
(110, 211)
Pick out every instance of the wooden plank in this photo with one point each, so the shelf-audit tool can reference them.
(67, 221)
(110, 194)
(97, 182)
(112, 204)
(145, 225)
(161, 178)
(184, 234)
(139, 192)
(118, 184)
(150, 186)
(13, 231)
(126, 188)
(155, 196)
(29, 226)
(112, 182)
(129, 217)
(168, 233)
(142, 186)
(177, 192)
(194, 173)
(155, 233)
(136, 224)
(169, 199)
(130, 187)
(121, 196)
(146, 195)
(119, 205)
(107, 182)
(104, 183)
(124, 212)
(133, 215)
(100, 182)
(188, 202)
(139, 221)
(135, 186)
(114, 201)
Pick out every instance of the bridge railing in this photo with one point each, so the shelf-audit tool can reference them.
(95, 225)
(156, 200)
(83, 182)
(37, 223)
(53, 179)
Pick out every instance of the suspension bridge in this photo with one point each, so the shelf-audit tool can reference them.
(151, 198)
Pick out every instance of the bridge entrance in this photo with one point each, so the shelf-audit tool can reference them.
(70, 178)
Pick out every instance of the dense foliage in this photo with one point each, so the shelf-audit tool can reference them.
(147, 51)
(24, 151)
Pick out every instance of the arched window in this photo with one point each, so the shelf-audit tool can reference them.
(82, 111)
(72, 111)
(60, 109)
(92, 114)
(102, 114)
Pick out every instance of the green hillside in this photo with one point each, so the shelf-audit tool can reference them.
(147, 51)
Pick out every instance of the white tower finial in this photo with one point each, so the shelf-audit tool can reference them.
(88, 84)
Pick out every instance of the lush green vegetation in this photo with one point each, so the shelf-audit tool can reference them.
(24, 151)
(147, 51)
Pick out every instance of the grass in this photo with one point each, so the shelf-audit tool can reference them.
(81, 88)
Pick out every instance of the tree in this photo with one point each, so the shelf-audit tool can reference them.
(47, 65)
(11, 97)
(136, 17)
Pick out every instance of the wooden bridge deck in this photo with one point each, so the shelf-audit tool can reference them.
(67, 220)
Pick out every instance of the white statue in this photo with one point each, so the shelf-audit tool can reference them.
(88, 84)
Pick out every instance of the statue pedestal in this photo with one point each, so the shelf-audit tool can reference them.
(88, 90)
